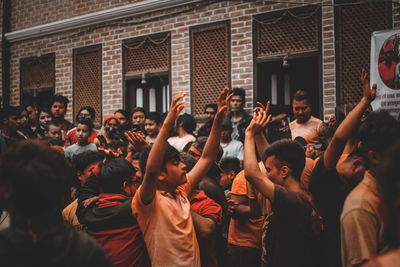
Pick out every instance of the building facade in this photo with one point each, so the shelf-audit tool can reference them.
(121, 54)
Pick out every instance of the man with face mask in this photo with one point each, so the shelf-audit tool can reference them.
(388, 66)
(304, 125)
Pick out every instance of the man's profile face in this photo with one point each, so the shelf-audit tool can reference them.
(273, 171)
(209, 114)
(301, 111)
(236, 103)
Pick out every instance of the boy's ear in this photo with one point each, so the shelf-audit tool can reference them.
(285, 172)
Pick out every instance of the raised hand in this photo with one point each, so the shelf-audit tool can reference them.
(176, 107)
(136, 140)
(260, 120)
(223, 100)
(260, 107)
(368, 92)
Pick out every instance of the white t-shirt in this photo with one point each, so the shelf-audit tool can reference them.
(233, 149)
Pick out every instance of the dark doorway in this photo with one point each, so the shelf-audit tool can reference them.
(39, 97)
(277, 83)
(150, 92)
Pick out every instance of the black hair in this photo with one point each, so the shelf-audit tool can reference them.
(123, 111)
(50, 123)
(88, 122)
(240, 92)
(212, 105)
(139, 109)
(88, 108)
(155, 116)
(188, 160)
(188, 122)
(289, 153)
(82, 160)
(378, 131)
(11, 111)
(60, 99)
(231, 163)
(301, 95)
(170, 154)
(114, 173)
(40, 179)
(390, 191)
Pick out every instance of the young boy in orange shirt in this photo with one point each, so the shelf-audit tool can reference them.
(161, 204)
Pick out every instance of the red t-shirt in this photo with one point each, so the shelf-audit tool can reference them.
(206, 207)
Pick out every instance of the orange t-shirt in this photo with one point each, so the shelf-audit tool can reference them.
(244, 232)
(167, 228)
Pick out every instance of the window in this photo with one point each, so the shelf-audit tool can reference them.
(37, 78)
(87, 80)
(210, 63)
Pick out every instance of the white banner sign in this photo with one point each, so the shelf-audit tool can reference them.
(385, 70)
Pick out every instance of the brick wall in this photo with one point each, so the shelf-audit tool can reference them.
(328, 59)
(29, 13)
(110, 37)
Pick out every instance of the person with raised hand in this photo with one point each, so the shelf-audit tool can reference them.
(161, 204)
(331, 182)
(293, 226)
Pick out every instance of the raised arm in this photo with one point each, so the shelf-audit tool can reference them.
(251, 170)
(156, 155)
(210, 152)
(261, 141)
(349, 124)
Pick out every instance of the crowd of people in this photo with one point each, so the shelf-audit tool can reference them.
(150, 189)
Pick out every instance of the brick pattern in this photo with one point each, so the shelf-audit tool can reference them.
(240, 14)
(328, 60)
(29, 13)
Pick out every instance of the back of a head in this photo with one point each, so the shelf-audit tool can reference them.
(290, 153)
(170, 154)
(378, 131)
(39, 178)
(114, 173)
(230, 163)
(188, 122)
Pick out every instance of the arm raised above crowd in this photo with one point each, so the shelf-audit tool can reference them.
(349, 124)
(210, 152)
(156, 155)
(251, 170)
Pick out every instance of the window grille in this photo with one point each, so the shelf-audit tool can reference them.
(87, 80)
(210, 64)
(354, 28)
